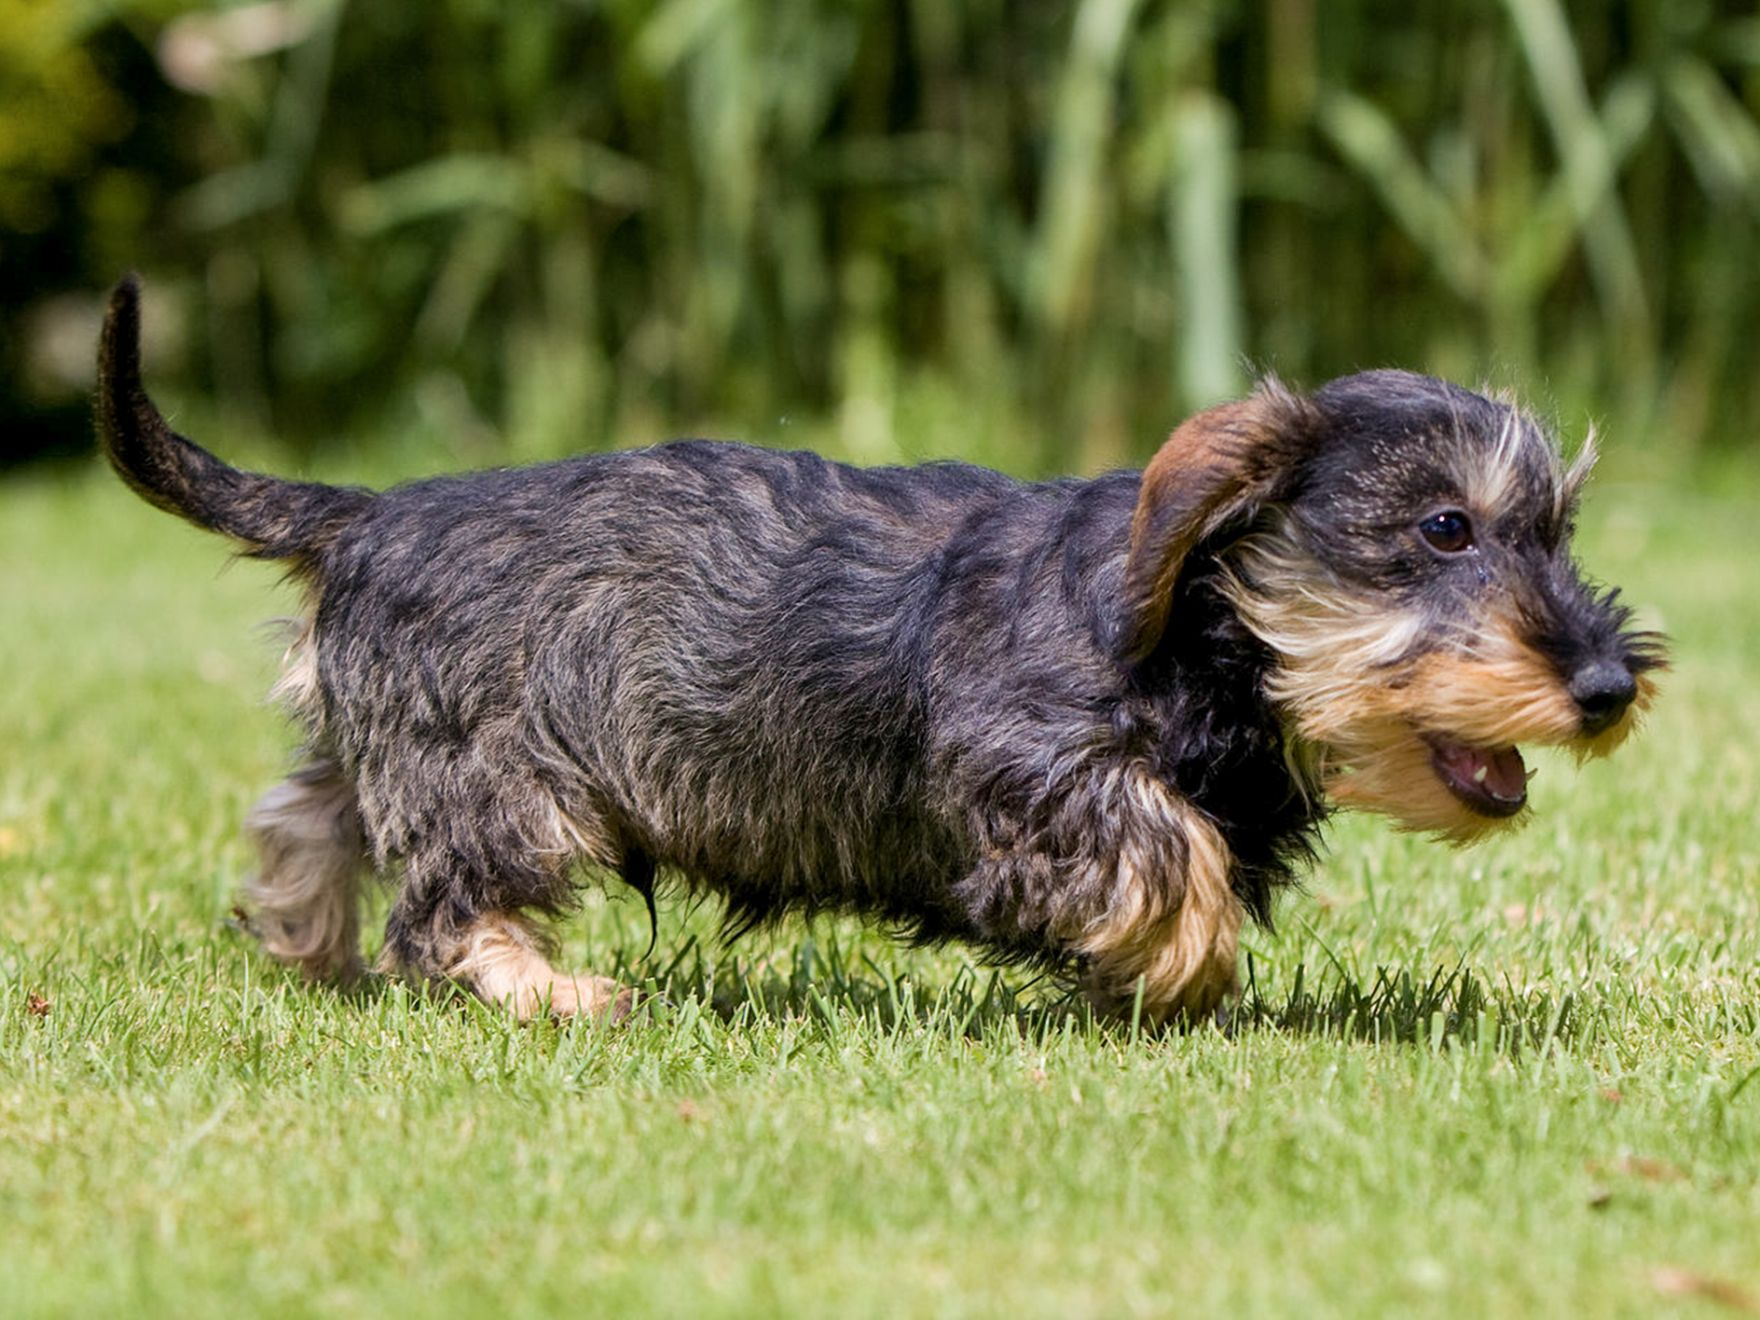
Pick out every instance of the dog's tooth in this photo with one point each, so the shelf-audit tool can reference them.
(1480, 773)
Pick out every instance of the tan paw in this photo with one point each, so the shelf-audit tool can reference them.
(582, 995)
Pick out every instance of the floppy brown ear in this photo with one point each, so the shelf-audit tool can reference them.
(1219, 466)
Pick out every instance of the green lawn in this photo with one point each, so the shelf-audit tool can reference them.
(1519, 1080)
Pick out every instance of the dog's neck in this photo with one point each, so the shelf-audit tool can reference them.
(1223, 744)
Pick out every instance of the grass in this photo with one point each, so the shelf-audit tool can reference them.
(1519, 1080)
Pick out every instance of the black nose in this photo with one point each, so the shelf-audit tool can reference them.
(1602, 690)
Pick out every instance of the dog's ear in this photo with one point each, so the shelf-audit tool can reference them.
(1219, 467)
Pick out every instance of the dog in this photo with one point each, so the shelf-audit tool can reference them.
(1083, 724)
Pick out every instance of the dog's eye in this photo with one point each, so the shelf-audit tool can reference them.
(1449, 531)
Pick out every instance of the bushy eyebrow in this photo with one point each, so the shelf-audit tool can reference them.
(1524, 463)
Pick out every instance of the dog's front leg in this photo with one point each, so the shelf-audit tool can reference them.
(1137, 893)
(1169, 928)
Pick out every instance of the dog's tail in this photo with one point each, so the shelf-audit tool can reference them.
(270, 517)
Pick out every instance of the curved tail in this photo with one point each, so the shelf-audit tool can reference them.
(272, 518)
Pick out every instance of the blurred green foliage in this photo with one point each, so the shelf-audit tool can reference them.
(53, 106)
(530, 228)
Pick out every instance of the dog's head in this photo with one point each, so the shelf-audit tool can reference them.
(1403, 548)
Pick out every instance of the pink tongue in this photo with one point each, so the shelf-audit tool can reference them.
(1505, 776)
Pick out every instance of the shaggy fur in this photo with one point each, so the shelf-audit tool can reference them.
(1090, 724)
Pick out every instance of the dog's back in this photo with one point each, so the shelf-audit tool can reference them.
(713, 656)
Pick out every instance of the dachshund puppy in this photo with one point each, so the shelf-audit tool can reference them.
(1084, 724)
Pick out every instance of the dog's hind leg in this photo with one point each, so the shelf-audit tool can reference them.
(305, 897)
(486, 855)
(502, 957)
(505, 960)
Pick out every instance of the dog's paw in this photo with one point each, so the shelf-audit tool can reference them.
(584, 996)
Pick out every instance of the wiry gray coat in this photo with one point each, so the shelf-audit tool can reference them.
(1030, 716)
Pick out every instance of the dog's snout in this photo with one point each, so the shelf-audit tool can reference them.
(1602, 690)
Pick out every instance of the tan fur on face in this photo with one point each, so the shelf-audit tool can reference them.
(1493, 692)
(1176, 934)
(504, 960)
(305, 897)
(1379, 763)
(1355, 684)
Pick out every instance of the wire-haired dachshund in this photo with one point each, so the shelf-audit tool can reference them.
(1088, 724)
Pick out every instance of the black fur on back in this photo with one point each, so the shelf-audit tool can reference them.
(798, 685)
(801, 685)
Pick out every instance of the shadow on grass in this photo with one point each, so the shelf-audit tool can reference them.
(821, 981)
(820, 977)
(1455, 1006)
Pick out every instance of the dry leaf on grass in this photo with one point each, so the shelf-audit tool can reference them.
(1647, 1167)
(1685, 1283)
(1650, 1168)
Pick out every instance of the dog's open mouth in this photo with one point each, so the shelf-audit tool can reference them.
(1492, 781)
